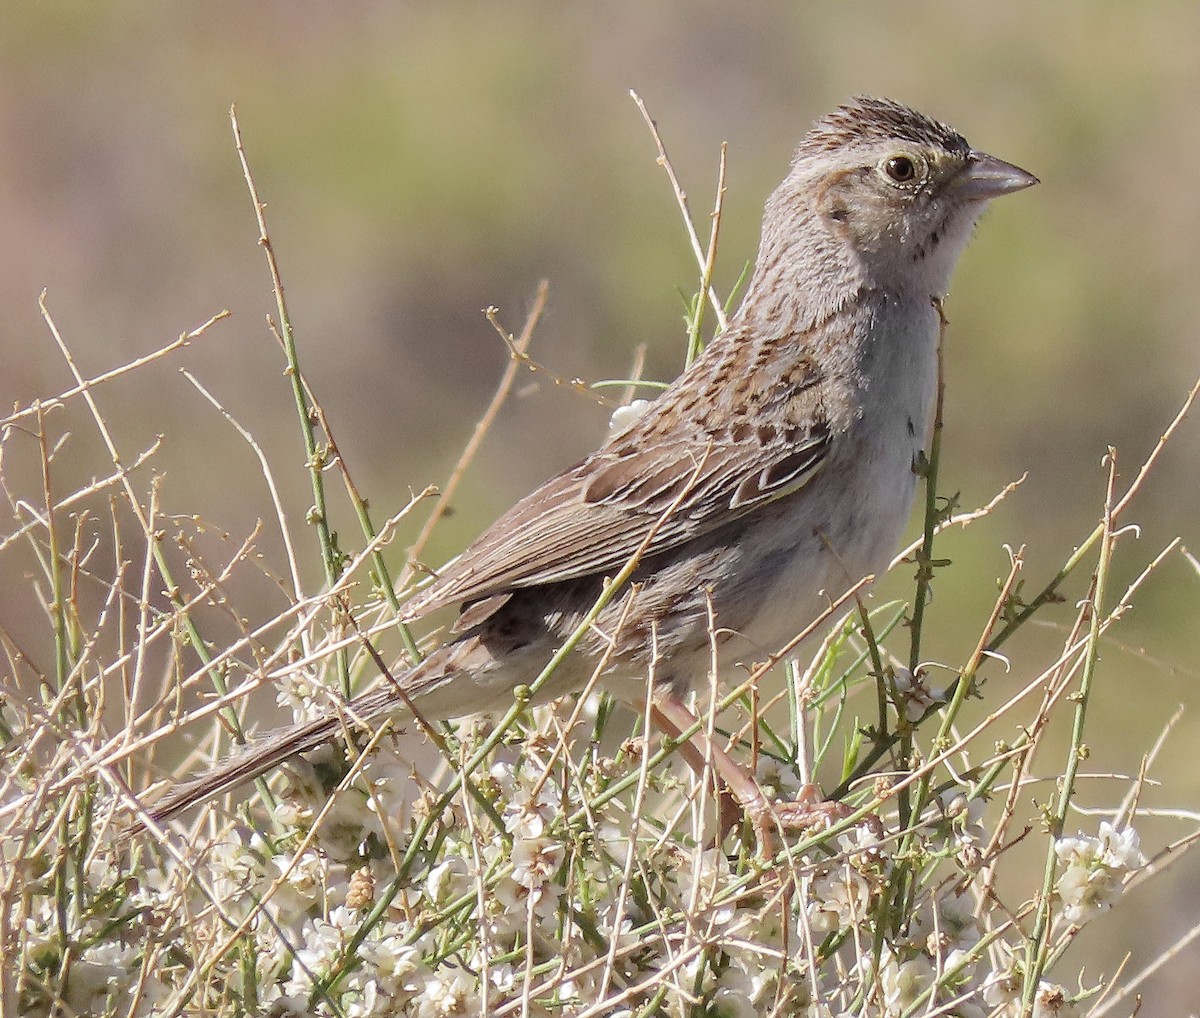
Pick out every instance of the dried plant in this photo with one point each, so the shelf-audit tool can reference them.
(556, 862)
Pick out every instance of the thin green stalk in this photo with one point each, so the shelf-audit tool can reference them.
(1049, 593)
(925, 560)
(950, 711)
(696, 325)
(902, 877)
(361, 510)
(315, 457)
(57, 606)
(1036, 951)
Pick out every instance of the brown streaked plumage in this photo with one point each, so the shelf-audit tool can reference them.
(770, 476)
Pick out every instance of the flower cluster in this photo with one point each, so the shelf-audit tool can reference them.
(540, 893)
(1094, 870)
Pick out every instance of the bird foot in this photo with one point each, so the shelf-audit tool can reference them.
(809, 810)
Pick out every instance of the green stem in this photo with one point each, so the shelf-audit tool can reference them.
(315, 458)
(1036, 952)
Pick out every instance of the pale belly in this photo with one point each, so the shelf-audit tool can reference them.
(756, 583)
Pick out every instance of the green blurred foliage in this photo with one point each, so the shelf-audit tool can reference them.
(423, 161)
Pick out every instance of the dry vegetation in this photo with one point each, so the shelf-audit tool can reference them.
(555, 861)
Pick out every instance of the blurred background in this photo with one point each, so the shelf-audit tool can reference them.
(423, 161)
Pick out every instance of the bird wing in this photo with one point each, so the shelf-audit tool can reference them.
(665, 481)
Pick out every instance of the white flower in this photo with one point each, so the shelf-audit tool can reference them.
(1121, 848)
(778, 779)
(731, 1003)
(838, 899)
(1094, 869)
(153, 889)
(535, 861)
(578, 986)
(512, 904)
(917, 695)
(624, 417)
(104, 969)
(863, 845)
(503, 975)
(304, 693)
(947, 923)
(448, 991)
(391, 961)
(319, 945)
(448, 880)
(346, 826)
(236, 872)
(303, 883)
(293, 1004)
(504, 774)
(967, 813)
(742, 987)
(623, 936)
(1051, 1001)
(99, 871)
(529, 817)
(389, 795)
(292, 813)
(367, 1002)
(904, 983)
(1002, 992)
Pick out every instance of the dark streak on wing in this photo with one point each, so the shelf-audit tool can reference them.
(592, 518)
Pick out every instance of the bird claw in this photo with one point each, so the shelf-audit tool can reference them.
(809, 810)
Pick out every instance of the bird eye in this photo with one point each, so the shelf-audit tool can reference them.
(901, 169)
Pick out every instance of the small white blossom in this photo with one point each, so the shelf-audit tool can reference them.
(624, 417)
(743, 986)
(527, 816)
(390, 793)
(904, 983)
(947, 924)
(346, 825)
(304, 883)
(319, 946)
(535, 861)
(732, 1003)
(448, 991)
(864, 846)
(303, 692)
(502, 975)
(103, 970)
(1094, 869)
(1002, 992)
(778, 780)
(917, 694)
(838, 899)
(397, 967)
(448, 880)
(237, 873)
(623, 936)
(291, 813)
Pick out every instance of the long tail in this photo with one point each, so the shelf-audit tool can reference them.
(263, 754)
(246, 764)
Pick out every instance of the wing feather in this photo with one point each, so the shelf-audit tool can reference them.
(593, 517)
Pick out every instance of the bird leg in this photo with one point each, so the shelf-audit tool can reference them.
(738, 793)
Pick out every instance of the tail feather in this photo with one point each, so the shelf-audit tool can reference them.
(251, 762)
(427, 682)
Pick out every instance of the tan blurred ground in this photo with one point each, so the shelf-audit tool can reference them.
(422, 161)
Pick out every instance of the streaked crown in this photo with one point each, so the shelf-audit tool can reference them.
(869, 121)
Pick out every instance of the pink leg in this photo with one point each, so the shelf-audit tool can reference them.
(739, 794)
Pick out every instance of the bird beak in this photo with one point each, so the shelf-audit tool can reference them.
(986, 177)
